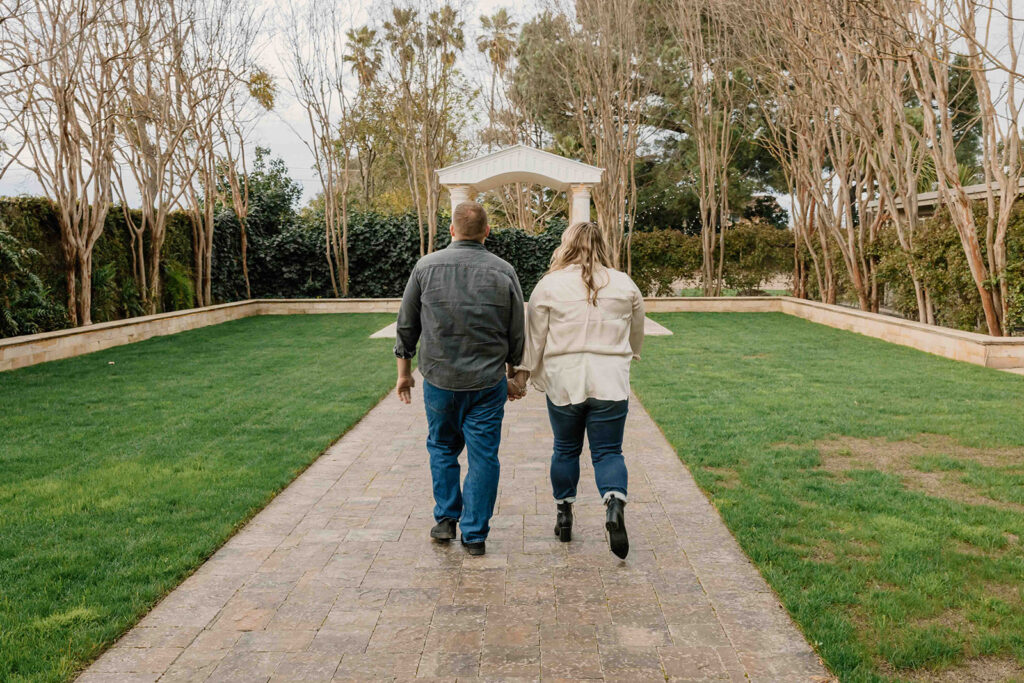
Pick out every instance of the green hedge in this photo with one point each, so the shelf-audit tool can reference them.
(754, 253)
(26, 306)
(289, 262)
(286, 259)
(32, 222)
(943, 269)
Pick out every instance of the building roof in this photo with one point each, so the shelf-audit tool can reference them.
(929, 199)
(520, 164)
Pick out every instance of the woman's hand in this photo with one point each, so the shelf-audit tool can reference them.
(517, 385)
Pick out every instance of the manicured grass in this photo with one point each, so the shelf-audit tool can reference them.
(878, 489)
(118, 480)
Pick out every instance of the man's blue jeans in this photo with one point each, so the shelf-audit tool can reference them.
(604, 423)
(470, 419)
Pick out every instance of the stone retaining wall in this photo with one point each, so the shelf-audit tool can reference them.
(980, 349)
(19, 352)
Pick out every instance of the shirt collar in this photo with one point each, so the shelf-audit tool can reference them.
(463, 244)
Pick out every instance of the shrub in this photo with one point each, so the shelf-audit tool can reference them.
(32, 221)
(382, 251)
(662, 257)
(529, 254)
(1015, 272)
(943, 270)
(26, 306)
(755, 252)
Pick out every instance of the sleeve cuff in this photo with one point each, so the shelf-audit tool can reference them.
(401, 352)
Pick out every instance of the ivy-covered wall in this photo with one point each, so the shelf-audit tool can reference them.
(33, 234)
(285, 259)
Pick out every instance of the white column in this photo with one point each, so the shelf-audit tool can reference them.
(459, 194)
(579, 204)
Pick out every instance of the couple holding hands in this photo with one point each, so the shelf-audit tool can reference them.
(583, 326)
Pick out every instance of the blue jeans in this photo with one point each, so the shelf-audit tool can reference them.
(470, 419)
(604, 423)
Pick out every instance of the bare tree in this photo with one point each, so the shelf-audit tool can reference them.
(72, 57)
(938, 28)
(605, 71)
(13, 57)
(234, 124)
(216, 60)
(792, 127)
(899, 154)
(822, 129)
(705, 34)
(316, 70)
(153, 128)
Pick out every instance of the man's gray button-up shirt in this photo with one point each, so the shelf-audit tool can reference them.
(464, 306)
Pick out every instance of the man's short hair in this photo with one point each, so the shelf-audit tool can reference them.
(469, 220)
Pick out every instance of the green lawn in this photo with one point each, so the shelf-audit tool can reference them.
(879, 490)
(116, 481)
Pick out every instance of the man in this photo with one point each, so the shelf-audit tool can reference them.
(466, 307)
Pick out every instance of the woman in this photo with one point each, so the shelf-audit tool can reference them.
(585, 323)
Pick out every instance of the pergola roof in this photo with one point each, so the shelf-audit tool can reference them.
(520, 164)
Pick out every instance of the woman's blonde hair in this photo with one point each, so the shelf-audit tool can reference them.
(583, 245)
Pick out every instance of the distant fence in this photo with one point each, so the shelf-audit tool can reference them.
(979, 349)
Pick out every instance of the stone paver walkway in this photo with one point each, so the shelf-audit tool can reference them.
(337, 579)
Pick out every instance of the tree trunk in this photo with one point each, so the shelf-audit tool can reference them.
(72, 295)
(976, 262)
(85, 293)
(245, 258)
(155, 296)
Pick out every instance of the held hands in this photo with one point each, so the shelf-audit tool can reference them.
(404, 386)
(517, 385)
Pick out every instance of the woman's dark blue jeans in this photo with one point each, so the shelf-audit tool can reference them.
(604, 423)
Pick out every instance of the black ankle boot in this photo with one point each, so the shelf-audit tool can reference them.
(563, 524)
(616, 525)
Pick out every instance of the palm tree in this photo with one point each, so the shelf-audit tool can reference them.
(445, 32)
(402, 34)
(498, 42)
(364, 54)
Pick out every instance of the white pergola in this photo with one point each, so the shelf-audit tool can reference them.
(522, 164)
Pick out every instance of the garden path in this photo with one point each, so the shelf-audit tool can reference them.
(337, 579)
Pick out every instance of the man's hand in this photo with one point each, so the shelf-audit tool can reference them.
(404, 386)
(517, 385)
(405, 380)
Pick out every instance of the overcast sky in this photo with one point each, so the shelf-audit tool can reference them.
(281, 129)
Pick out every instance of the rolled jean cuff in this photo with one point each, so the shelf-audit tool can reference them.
(614, 494)
(570, 499)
